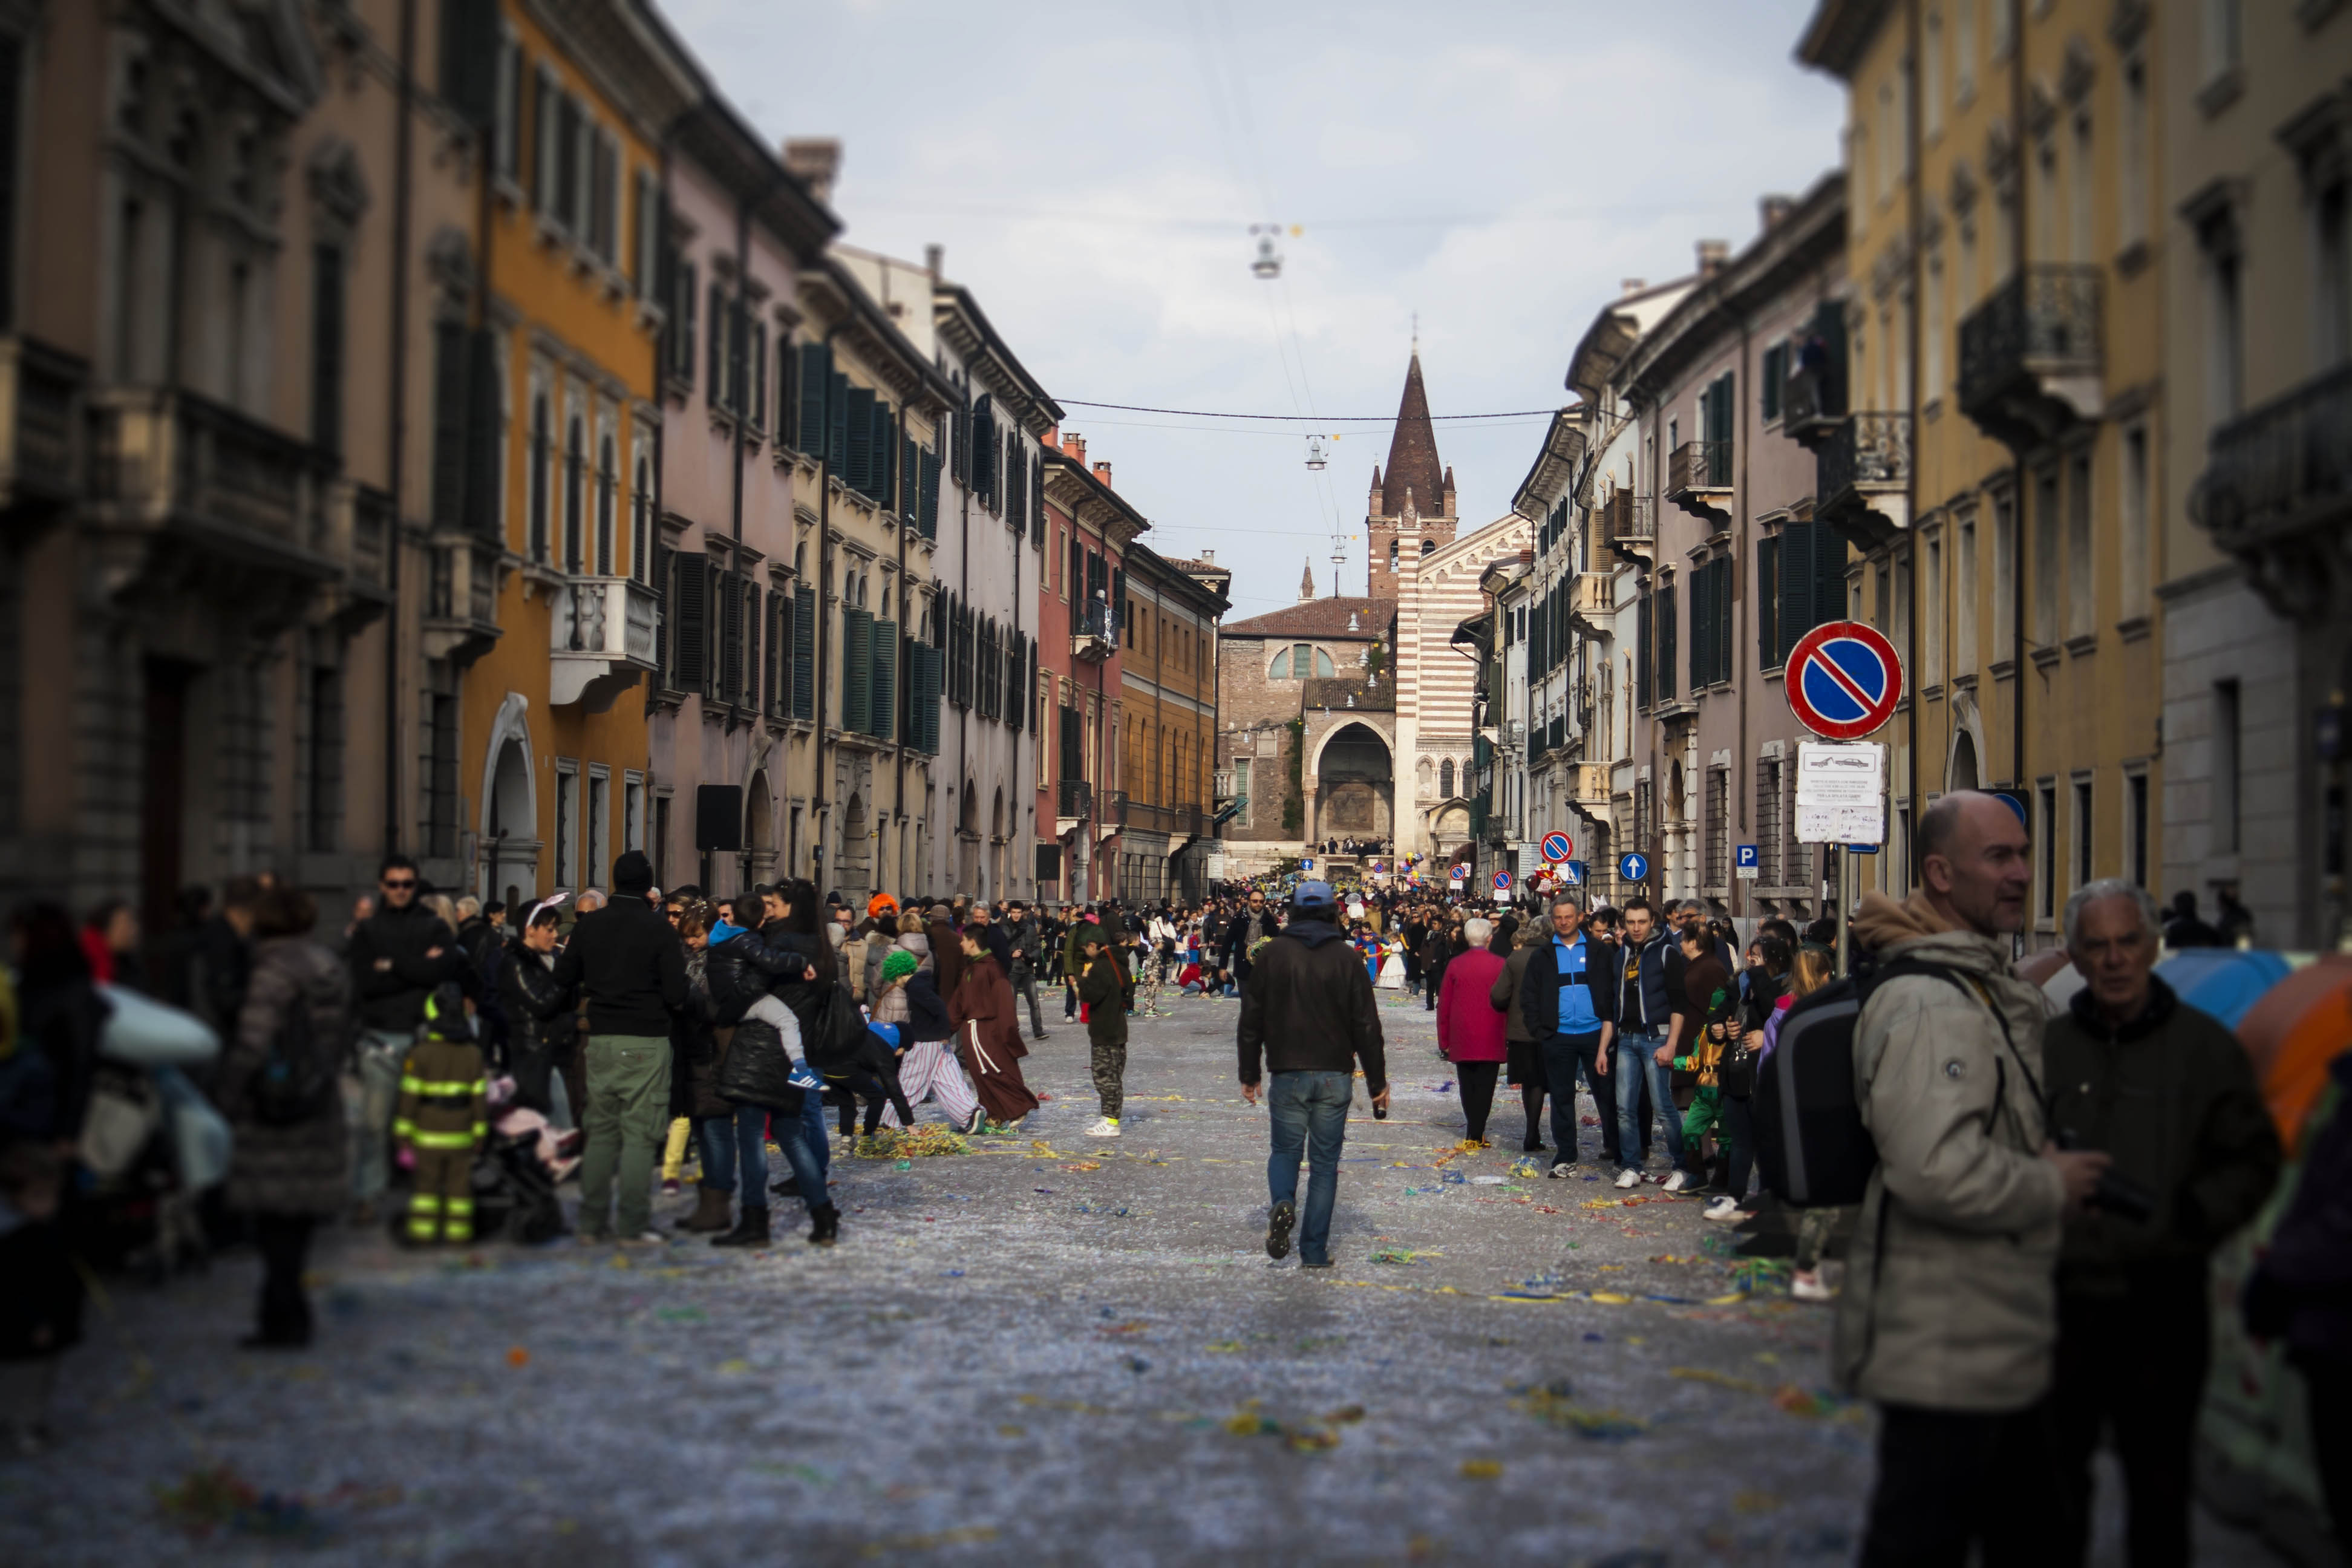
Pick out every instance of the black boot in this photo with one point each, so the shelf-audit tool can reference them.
(709, 1210)
(752, 1230)
(826, 1230)
(789, 1187)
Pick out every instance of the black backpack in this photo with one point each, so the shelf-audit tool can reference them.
(297, 1079)
(1813, 1150)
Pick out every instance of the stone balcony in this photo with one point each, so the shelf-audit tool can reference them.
(1630, 527)
(461, 599)
(1698, 480)
(1094, 633)
(2030, 360)
(1862, 477)
(1073, 804)
(600, 640)
(1811, 406)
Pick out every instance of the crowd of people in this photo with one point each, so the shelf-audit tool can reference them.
(2025, 1272)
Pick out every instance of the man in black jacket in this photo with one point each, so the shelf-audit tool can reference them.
(1308, 1007)
(1570, 1016)
(632, 967)
(1255, 922)
(2170, 1094)
(1027, 942)
(396, 959)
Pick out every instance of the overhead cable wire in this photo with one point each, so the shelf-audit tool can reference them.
(1302, 418)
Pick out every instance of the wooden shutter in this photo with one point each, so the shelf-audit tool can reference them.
(930, 496)
(666, 627)
(803, 653)
(1666, 646)
(858, 475)
(772, 670)
(885, 456)
(1038, 503)
(836, 424)
(1829, 575)
(1645, 648)
(816, 376)
(856, 670)
(1767, 603)
(449, 424)
(884, 701)
(923, 700)
(910, 475)
(753, 624)
(1727, 573)
(690, 575)
(1018, 679)
(731, 637)
(1796, 571)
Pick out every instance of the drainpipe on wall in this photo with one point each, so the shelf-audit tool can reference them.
(395, 459)
(2017, 463)
(1914, 140)
(823, 624)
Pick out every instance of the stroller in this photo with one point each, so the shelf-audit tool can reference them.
(515, 1175)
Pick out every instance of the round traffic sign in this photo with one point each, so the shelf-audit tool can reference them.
(1843, 681)
(1633, 868)
(1558, 847)
(1502, 881)
(1460, 873)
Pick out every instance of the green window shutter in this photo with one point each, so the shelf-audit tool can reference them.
(691, 583)
(1767, 603)
(666, 630)
(836, 425)
(1038, 503)
(753, 624)
(929, 507)
(1796, 574)
(772, 669)
(928, 666)
(715, 348)
(816, 376)
(858, 475)
(856, 670)
(1666, 646)
(449, 424)
(803, 653)
(1775, 372)
(1645, 648)
(982, 443)
(1727, 595)
(884, 699)
(886, 457)
(1698, 589)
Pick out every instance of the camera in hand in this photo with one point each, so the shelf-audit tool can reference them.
(2116, 1194)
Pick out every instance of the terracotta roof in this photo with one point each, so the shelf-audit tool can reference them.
(1412, 454)
(1325, 618)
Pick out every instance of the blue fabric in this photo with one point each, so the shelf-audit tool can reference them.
(890, 1033)
(1311, 1116)
(722, 931)
(2223, 981)
(1577, 1015)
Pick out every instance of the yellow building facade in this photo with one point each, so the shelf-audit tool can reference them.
(542, 616)
(1994, 452)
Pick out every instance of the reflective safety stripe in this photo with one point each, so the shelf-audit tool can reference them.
(457, 1230)
(461, 1206)
(478, 1131)
(460, 1087)
(422, 1229)
(443, 1140)
(403, 1128)
(411, 1085)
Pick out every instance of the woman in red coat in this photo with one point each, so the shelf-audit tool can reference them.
(1470, 1033)
(988, 1034)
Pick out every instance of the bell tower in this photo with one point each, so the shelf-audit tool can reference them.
(1409, 510)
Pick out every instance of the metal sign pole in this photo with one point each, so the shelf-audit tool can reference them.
(1846, 909)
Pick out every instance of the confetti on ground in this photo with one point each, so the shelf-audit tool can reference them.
(207, 1501)
(1552, 1405)
(1481, 1469)
(922, 1141)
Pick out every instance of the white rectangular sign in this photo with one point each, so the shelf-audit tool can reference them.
(1840, 792)
(1530, 861)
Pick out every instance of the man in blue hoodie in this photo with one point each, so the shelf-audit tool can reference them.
(1570, 1016)
(1308, 1008)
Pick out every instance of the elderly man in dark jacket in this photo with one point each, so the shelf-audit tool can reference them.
(2167, 1092)
(632, 967)
(1308, 1008)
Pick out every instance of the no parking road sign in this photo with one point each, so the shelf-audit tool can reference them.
(1633, 868)
(1558, 848)
(1843, 681)
(1502, 881)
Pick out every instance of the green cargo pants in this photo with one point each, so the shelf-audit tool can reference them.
(627, 1116)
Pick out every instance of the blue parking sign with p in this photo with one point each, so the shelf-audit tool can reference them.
(1747, 853)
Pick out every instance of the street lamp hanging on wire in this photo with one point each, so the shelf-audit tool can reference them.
(1319, 452)
(1268, 265)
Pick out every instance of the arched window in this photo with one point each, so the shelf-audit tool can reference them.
(1445, 779)
(575, 476)
(1280, 669)
(608, 479)
(1428, 547)
(1392, 554)
(539, 437)
(1322, 664)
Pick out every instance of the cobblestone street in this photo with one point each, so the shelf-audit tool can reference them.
(1048, 1349)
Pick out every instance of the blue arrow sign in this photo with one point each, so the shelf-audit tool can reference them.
(1633, 868)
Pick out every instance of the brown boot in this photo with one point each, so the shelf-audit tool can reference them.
(711, 1209)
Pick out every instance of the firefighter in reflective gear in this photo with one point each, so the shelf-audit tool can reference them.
(443, 1112)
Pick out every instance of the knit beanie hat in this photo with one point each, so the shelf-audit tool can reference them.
(897, 965)
(632, 873)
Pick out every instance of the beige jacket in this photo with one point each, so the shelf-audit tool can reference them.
(1950, 1300)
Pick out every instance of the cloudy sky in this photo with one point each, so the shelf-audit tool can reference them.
(1094, 172)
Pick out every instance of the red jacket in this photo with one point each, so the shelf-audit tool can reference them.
(1469, 1029)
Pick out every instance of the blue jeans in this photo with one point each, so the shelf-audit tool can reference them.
(735, 1155)
(1564, 1056)
(1636, 1054)
(382, 1055)
(1311, 1113)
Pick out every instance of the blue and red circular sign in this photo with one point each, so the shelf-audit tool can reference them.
(1843, 681)
(1557, 849)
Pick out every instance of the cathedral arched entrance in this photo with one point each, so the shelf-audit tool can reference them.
(1354, 774)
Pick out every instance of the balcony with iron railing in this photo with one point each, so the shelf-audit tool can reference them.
(1812, 402)
(172, 459)
(2030, 359)
(1074, 801)
(601, 637)
(1094, 632)
(1631, 527)
(2277, 489)
(1699, 479)
(1862, 477)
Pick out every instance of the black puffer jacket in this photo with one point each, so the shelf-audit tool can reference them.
(804, 997)
(744, 968)
(392, 997)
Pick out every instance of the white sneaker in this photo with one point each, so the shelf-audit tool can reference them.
(1724, 1207)
(1807, 1287)
(1562, 1171)
(1105, 1127)
(1676, 1181)
(1629, 1177)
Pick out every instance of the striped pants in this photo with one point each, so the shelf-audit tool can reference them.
(441, 1204)
(929, 1068)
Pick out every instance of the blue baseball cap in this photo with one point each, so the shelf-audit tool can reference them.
(1314, 896)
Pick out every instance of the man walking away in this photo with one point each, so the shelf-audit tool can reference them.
(391, 978)
(1646, 972)
(1308, 1010)
(1028, 950)
(1950, 1317)
(632, 967)
(2169, 1093)
(1566, 1006)
(1103, 989)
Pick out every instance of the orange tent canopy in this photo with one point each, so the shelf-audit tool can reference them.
(2299, 1026)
